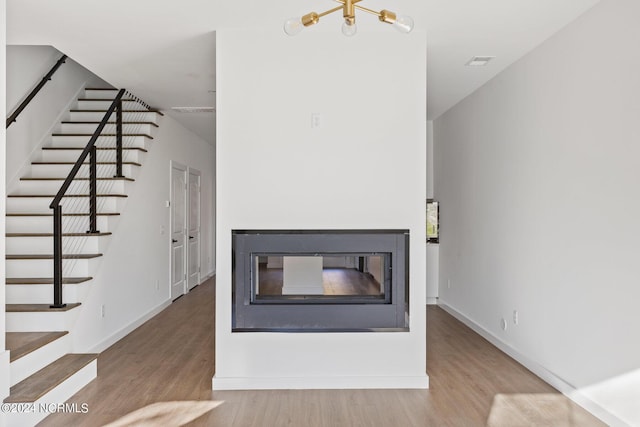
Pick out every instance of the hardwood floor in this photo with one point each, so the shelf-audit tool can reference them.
(160, 374)
(335, 281)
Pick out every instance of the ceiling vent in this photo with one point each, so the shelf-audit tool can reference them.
(194, 109)
(479, 61)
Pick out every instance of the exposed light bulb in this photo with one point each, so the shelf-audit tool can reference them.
(403, 23)
(293, 26)
(349, 29)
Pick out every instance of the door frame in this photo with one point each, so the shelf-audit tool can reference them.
(196, 172)
(177, 165)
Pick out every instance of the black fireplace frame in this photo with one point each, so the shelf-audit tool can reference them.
(312, 313)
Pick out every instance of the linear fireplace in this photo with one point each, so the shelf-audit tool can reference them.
(320, 280)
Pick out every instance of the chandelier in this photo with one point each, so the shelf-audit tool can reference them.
(402, 23)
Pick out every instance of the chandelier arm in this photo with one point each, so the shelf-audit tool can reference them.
(364, 9)
(335, 9)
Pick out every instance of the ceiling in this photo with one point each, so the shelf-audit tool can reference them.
(164, 51)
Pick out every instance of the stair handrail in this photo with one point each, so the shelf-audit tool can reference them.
(89, 149)
(12, 118)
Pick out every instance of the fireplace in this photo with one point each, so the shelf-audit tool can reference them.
(320, 280)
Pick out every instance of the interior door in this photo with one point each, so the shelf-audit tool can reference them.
(193, 251)
(178, 203)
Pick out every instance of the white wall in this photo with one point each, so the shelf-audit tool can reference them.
(138, 254)
(433, 249)
(538, 174)
(26, 66)
(4, 355)
(275, 172)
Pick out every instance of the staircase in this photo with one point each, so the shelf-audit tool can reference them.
(44, 367)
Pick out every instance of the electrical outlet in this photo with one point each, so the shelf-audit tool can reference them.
(102, 311)
(516, 317)
(316, 120)
(448, 283)
(157, 285)
(503, 324)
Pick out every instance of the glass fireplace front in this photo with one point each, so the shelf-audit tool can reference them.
(329, 280)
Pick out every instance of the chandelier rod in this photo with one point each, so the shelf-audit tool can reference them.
(335, 9)
(364, 9)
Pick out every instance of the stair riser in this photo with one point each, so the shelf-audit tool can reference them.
(77, 187)
(104, 105)
(100, 94)
(89, 128)
(42, 321)
(90, 116)
(60, 394)
(102, 141)
(69, 204)
(44, 267)
(103, 156)
(43, 294)
(44, 245)
(37, 224)
(62, 171)
(38, 359)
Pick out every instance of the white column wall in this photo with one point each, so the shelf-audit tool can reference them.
(363, 168)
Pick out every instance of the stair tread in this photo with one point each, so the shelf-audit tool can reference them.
(144, 150)
(22, 343)
(86, 163)
(124, 111)
(102, 99)
(49, 256)
(30, 308)
(102, 134)
(107, 178)
(51, 234)
(64, 214)
(66, 195)
(109, 123)
(46, 280)
(46, 379)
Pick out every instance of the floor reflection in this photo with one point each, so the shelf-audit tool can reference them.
(166, 414)
(537, 409)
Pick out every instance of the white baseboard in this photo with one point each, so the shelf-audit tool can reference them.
(117, 336)
(310, 383)
(432, 300)
(547, 376)
(207, 277)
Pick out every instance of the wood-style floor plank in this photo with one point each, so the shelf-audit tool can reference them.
(161, 374)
